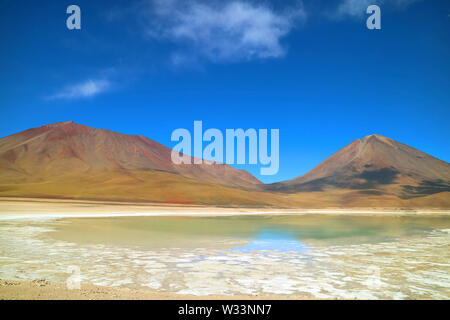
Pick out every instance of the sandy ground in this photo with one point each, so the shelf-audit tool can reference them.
(44, 290)
(54, 208)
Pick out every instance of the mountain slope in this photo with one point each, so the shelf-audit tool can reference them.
(69, 149)
(375, 165)
(68, 160)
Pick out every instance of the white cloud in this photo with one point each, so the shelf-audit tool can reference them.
(354, 8)
(357, 8)
(221, 31)
(88, 88)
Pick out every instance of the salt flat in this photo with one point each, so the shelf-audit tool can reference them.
(213, 253)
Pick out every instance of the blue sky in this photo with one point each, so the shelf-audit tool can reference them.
(309, 68)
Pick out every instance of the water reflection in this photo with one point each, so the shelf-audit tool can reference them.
(273, 241)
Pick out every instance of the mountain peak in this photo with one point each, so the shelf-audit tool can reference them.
(377, 138)
(65, 148)
(378, 164)
(373, 136)
(66, 159)
(60, 124)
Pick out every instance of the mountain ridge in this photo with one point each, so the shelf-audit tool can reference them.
(91, 149)
(69, 160)
(371, 163)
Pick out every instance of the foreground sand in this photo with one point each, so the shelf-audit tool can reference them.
(44, 290)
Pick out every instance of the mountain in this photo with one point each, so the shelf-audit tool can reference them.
(375, 165)
(57, 149)
(73, 161)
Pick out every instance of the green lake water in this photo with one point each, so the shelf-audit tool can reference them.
(309, 256)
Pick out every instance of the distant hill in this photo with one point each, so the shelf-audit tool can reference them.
(375, 165)
(73, 161)
(68, 148)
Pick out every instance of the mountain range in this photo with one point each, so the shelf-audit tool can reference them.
(73, 161)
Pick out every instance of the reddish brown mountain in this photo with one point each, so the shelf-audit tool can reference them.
(69, 148)
(68, 160)
(375, 165)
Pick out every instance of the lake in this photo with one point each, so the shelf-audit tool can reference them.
(311, 256)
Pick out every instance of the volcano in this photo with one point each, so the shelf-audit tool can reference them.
(72, 161)
(375, 165)
(69, 148)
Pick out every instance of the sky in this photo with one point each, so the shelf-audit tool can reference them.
(310, 68)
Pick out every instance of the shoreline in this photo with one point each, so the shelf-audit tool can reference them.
(31, 208)
(42, 289)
